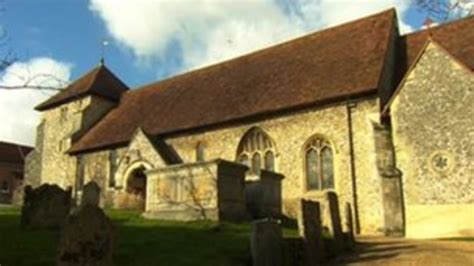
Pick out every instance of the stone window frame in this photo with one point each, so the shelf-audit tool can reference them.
(253, 144)
(200, 154)
(63, 114)
(318, 142)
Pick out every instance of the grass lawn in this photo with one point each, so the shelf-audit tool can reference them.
(139, 242)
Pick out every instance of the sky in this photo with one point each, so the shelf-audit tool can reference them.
(149, 40)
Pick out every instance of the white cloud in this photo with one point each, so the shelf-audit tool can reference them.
(17, 116)
(208, 31)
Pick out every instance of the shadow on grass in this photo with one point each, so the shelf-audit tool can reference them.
(138, 242)
(168, 243)
(19, 247)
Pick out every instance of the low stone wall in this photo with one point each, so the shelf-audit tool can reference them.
(208, 190)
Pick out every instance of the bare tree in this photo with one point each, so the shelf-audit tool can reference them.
(445, 10)
(28, 80)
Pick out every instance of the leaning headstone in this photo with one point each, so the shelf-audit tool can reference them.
(266, 243)
(350, 226)
(90, 194)
(87, 238)
(45, 207)
(312, 232)
(335, 227)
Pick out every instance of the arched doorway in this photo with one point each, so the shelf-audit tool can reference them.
(136, 187)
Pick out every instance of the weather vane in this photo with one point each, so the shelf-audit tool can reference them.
(103, 44)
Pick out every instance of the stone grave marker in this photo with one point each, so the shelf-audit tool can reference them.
(266, 243)
(87, 238)
(91, 194)
(335, 227)
(350, 226)
(312, 232)
(45, 207)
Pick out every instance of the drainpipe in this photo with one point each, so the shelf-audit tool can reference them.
(349, 105)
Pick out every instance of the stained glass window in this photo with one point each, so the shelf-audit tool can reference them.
(327, 168)
(312, 169)
(319, 163)
(254, 145)
(269, 161)
(256, 163)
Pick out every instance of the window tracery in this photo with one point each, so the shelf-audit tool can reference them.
(256, 150)
(319, 164)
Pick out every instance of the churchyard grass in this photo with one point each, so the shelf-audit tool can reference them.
(139, 242)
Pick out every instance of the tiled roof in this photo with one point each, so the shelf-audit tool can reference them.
(342, 61)
(456, 37)
(11, 153)
(100, 82)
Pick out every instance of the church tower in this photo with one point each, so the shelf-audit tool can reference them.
(65, 118)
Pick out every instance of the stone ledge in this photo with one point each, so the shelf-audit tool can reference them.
(182, 215)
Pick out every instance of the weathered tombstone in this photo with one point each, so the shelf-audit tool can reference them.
(90, 194)
(266, 243)
(350, 226)
(87, 238)
(312, 232)
(253, 196)
(45, 207)
(335, 227)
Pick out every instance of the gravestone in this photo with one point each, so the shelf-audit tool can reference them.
(312, 232)
(87, 238)
(335, 227)
(90, 194)
(45, 207)
(266, 243)
(350, 239)
(253, 196)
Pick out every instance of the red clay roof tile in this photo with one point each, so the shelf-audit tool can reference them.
(100, 81)
(330, 64)
(11, 153)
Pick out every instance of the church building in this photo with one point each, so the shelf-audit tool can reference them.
(384, 120)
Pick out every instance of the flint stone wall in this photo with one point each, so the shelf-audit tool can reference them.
(290, 133)
(60, 127)
(433, 137)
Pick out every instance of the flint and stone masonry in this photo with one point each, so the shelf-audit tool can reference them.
(398, 148)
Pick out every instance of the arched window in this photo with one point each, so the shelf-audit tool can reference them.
(200, 152)
(269, 161)
(319, 164)
(256, 150)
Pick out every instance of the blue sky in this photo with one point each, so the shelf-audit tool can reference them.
(153, 39)
(69, 31)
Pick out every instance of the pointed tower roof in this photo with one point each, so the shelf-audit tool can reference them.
(100, 81)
